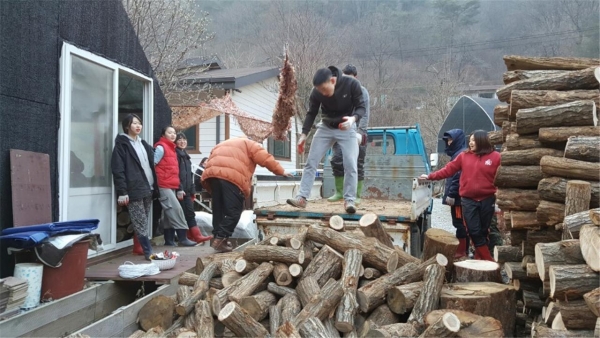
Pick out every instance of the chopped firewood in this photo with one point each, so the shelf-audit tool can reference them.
(507, 253)
(589, 237)
(280, 290)
(204, 319)
(336, 223)
(371, 226)
(313, 327)
(346, 310)
(240, 323)
(257, 306)
(556, 253)
(402, 298)
(274, 318)
(287, 330)
(282, 275)
(394, 330)
(242, 266)
(429, 298)
(325, 265)
(290, 307)
(371, 273)
(592, 300)
(321, 306)
(570, 282)
(264, 253)
(447, 326)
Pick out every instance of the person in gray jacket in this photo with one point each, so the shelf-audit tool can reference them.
(337, 160)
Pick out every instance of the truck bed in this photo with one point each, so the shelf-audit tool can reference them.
(385, 209)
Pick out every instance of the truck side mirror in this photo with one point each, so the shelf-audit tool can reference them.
(433, 159)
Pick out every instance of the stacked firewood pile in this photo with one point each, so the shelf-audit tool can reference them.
(548, 186)
(332, 281)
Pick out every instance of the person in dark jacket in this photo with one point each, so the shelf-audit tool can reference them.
(198, 175)
(342, 105)
(186, 180)
(135, 179)
(455, 144)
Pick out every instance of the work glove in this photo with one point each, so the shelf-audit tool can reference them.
(359, 139)
(450, 200)
(348, 122)
(180, 195)
(123, 200)
(301, 142)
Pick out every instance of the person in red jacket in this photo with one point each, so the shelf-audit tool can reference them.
(169, 186)
(479, 164)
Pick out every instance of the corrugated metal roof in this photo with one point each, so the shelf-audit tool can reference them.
(234, 78)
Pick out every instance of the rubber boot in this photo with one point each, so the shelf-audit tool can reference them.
(359, 189)
(169, 235)
(339, 190)
(137, 247)
(182, 238)
(146, 246)
(483, 253)
(461, 251)
(195, 235)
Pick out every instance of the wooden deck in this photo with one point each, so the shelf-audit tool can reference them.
(108, 270)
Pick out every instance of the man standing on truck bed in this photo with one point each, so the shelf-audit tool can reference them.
(337, 161)
(342, 106)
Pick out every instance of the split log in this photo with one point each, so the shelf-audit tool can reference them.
(307, 289)
(554, 189)
(495, 137)
(550, 213)
(581, 79)
(576, 315)
(373, 294)
(515, 62)
(521, 99)
(518, 176)
(595, 216)
(476, 271)
(371, 226)
(280, 290)
(240, 323)
(577, 113)
(505, 253)
(484, 299)
(157, 312)
(393, 330)
(571, 282)
(265, 253)
(531, 301)
(371, 273)
(401, 299)
(515, 271)
(250, 282)
(439, 241)
(242, 266)
(336, 223)
(282, 275)
(322, 305)
(532, 271)
(201, 286)
(560, 135)
(287, 330)
(516, 75)
(515, 141)
(472, 325)
(584, 148)
(346, 310)
(204, 319)
(589, 237)
(325, 265)
(376, 254)
(295, 270)
(313, 327)
(290, 308)
(274, 318)
(517, 199)
(528, 156)
(557, 253)
(524, 220)
(572, 169)
(500, 115)
(429, 298)
(257, 306)
(592, 299)
(447, 326)
(542, 331)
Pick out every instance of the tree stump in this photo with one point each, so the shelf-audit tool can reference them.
(447, 326)
(505, 253)
(517, 199)
(429, 298)
(307, 289)
(313, 327)
(518, 176)
(157, 312)
(240, 323)
(344, 316)
(265, 253)
(325, 265)
(572, 169)
(371, 226)
(257, 306)
(336, 223)
(290, 308)
(204, 320)
(592, 299)
(401, 299)
(571, 282)
(280, 290)
(557, 253)
(476, 271)
(439, 241)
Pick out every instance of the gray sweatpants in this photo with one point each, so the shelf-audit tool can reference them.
(173, 216)
(324, 138)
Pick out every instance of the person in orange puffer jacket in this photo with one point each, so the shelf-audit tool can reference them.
(228, 177)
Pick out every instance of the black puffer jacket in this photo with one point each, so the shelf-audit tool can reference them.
(453, 150)
(186, 176)
(128, 174)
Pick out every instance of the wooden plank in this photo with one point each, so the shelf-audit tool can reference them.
(113, 297)
(30, 182)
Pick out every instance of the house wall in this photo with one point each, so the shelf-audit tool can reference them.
(31, 38)
(257, 99)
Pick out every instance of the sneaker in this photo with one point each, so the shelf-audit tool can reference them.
(298, 202)
(350, 208)
(222, 245)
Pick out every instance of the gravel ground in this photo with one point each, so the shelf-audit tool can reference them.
(440, 216)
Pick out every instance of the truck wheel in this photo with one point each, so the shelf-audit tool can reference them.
(416, 241)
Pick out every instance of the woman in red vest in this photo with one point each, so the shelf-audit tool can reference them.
(169, 186)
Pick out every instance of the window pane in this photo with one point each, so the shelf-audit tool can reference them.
(91, 124)
(192, 136)
(376, 145)
(279, 149)
(131, 98)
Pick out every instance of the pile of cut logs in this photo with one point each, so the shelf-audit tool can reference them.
(548, 188)
(329, 281)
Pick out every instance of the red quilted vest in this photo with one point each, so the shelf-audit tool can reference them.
(167, 170)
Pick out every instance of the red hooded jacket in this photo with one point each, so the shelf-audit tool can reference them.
(167, 170)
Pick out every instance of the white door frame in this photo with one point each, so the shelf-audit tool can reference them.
(65, 67)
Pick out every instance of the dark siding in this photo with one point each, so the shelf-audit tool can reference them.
(31, 37)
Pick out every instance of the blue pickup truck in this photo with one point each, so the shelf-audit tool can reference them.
(396, 156)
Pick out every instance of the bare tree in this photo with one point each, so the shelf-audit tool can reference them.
(170, 31)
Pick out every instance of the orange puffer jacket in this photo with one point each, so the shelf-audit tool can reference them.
(235, 160)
